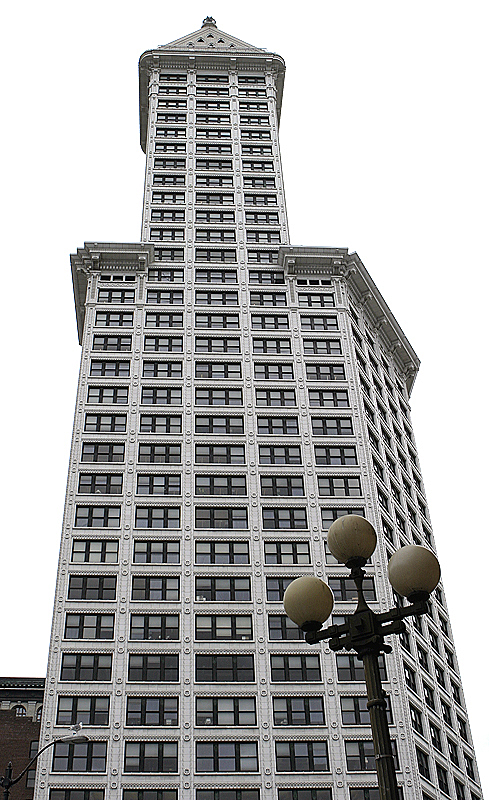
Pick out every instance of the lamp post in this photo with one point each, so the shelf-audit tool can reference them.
(414, 573)
(6, 781)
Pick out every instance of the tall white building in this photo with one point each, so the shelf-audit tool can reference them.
(236, 395)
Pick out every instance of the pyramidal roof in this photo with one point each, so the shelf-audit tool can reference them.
(209, 38)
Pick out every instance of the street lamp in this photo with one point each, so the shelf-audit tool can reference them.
(6, 781)
(414, 573)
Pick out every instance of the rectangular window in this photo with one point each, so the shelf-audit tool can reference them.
(218, 397)
(158, 588)
(223, 627)
(302, 757)
(220, 454)
(158, 274)
(223, 589)
(84, 710)
(113, 369)
(333, 456)
(344, 589)
(222, 552)
(162, 369)
(159, 454)
(325, 372)
(161, 627)
(277, 425)
(164, 344)
(168, 197)
(287, 553)
(156, 552)
(220, 517)
(229, 668)
(324, 323)
(218, 370)
(355, 711)
(215, 275)
(216, 298)
(282, 485)
(95, 551)
(221, 484)
(279, 455)
(97, 516)
(295, 668)
(316, 300)
(97, 483)
(158, 484)
(86, 667)
(312, 794)
(167, 297)
(157, 517)
(329, 515)
(159, 319)
(120, 344)
(331, 426)
(219, 425)
(157, 423)
(215, 216)
(217, 321)
(116, 296)
(92, 587)
(322, 347)
(339, 487)
(270, 322)
(262, 218)
(108, 395)
(423, 763)
(76, 794)
(216, 235)
(89, 626)
(265, 276)
(281, 627)
(298, 711)
(275, 397)
(276, 588)
(226, 757)
(214, 199)
(100, 452)
(151, 757)
(149, 711)
(360, 756)
(350, 668)
(268, 298)
(217, 345)
(79, 757)
(225, 711)
(153, 668)
(289, 518)
(273, 372)
(113, 319)
(275, 346)
(213, 256)
(152, 395)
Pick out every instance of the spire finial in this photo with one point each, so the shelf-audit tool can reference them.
(208, 21)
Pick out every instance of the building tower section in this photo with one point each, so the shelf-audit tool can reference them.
(236, 396)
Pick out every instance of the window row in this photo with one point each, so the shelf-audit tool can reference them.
(215, 345)
(120, 319)
(225, 668)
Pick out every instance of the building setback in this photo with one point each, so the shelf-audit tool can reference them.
(237, 394)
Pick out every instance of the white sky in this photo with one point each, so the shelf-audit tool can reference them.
(384, 133)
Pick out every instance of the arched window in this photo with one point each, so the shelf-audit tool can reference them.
(20, 711)
(39, 714)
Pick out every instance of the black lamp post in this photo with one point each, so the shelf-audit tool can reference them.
(413, 572)
(6, 781)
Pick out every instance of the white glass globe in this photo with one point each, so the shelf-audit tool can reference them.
(351, 537)
(414, 572)
(308, 602)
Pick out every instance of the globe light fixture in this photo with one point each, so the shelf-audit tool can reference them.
(352, 540)
(414, 572)
(308, 601)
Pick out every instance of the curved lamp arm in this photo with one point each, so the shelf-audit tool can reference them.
(6, 781)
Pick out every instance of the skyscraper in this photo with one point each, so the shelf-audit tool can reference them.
(236, 395)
